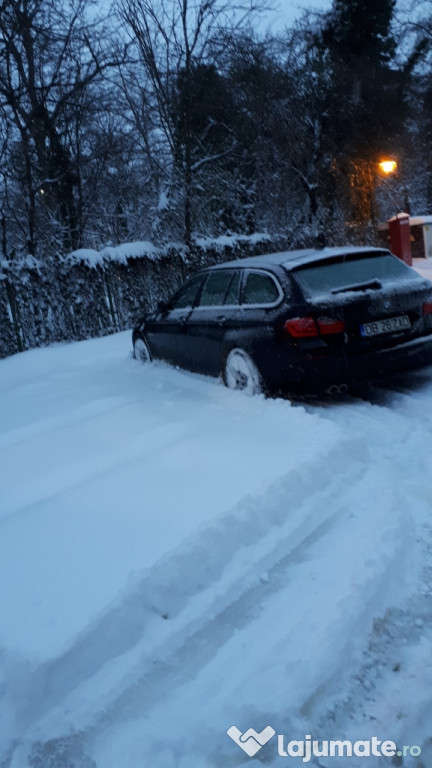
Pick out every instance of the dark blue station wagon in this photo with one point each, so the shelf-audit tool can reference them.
(302, 321)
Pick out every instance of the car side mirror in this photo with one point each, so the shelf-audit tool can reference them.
(162, 307)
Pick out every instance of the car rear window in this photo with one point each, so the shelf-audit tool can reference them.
(352, 274)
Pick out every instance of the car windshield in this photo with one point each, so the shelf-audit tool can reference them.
(368, 272)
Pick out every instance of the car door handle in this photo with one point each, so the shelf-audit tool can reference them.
(221, 320)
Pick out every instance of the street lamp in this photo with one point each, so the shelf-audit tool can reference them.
(367, 176)
(388, 166)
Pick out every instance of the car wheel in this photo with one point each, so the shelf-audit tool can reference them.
(141, 350)
(240, 372)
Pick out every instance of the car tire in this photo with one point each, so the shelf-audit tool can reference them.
(142, 350)
(240, 372)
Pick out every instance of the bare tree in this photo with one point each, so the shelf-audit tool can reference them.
(178, 44)
(50, 54)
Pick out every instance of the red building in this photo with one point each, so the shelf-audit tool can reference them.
(420, 235)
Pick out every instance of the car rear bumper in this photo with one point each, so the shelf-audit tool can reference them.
(317, 374)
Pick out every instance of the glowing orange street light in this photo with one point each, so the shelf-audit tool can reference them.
(388, 166)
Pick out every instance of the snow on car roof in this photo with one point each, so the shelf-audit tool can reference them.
(291, 259)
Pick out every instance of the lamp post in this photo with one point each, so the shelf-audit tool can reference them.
(378, 170)
(387, 166)
(366, 177)
(399, 225)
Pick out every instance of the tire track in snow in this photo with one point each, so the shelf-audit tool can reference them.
(398, 430)
(158, 438)
(385, 693)
(298, 518)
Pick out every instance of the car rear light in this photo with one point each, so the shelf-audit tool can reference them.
(326, 325)
(427, 308)
(301, 327)
(307, 327)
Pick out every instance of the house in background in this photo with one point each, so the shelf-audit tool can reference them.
(420, 230)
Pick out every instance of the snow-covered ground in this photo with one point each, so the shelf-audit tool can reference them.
(176, 559)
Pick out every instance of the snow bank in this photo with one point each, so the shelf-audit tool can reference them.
(147, 250)
(119, 254)
(232, 241)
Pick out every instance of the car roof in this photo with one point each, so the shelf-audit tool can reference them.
(293, 259)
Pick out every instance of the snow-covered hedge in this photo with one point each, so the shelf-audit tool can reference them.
(91, 293)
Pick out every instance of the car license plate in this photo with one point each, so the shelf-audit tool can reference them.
(389, 325)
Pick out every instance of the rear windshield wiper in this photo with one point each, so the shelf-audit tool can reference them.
(359, 286)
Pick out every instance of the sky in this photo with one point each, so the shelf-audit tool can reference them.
(286, 13)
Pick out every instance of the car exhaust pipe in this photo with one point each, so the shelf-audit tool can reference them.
(337, 389)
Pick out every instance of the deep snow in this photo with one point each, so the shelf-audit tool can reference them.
(176, 559)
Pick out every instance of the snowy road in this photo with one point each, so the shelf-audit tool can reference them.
(176, 559)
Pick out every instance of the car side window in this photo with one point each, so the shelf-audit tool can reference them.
(232, 295)
(187, 294)
(260, 289)
(215, 288)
